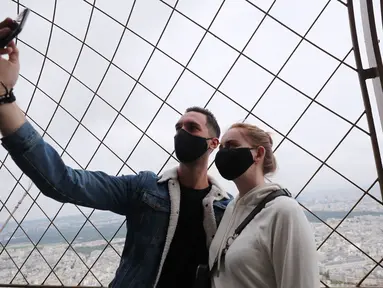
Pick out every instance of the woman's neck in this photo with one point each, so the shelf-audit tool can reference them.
(248, 181)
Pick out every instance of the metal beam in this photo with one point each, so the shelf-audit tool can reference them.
(374, 72)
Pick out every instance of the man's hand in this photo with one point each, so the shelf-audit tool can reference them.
(9, 69)
(11, 117)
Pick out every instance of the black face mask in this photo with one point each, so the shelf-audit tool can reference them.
(232, 163)
(189, 147)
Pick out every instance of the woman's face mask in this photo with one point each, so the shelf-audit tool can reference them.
(233, 162)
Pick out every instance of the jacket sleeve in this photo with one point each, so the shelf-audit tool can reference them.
(294, 254)
(44, 166)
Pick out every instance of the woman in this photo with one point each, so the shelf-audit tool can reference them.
(276, 249)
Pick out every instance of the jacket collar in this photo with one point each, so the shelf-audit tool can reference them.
(172, 174)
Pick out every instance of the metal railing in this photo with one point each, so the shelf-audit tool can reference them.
(374, 72)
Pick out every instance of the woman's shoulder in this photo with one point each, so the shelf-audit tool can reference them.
(284, 206)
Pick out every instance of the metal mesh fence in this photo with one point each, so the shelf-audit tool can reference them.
(104, 83)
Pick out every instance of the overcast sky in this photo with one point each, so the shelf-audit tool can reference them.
(279, 101)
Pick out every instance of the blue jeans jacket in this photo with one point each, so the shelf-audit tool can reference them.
(149, 202)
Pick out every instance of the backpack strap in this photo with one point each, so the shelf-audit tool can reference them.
(247, 220)
(259, 207)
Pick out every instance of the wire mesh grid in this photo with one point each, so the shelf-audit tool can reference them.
(109, 82)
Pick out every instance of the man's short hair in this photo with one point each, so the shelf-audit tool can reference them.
(211, 122)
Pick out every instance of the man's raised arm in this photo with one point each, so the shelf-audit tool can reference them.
(43, 165)
(11, 117)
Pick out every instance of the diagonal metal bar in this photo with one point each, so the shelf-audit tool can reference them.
(131, 92)
(33, 244)
(57, 212)
(347, 214)
(276, 130)
(164, 103)
(341, 2)
(44, 59)
(14, 263)
(329, 156)
(15, 208)
(314, 98)
(369, 273)
(335, 230)
(103, 250)
(90, 18)
(230, 69)
(51, 222)
(304, 36)
(46, 52)
(87, 217)
(261, 66)
(136, 82)
(323, 106)
(362, 82)
(183, 71)
(341, 235)
(179, 77)
(34, 202)
(192, 72)
(302, 148)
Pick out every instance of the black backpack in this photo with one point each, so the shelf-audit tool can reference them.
(203, 274)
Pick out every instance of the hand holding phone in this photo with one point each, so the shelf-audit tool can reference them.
(12, 28)
(10, 65)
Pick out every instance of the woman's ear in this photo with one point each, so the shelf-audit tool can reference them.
(259, 154)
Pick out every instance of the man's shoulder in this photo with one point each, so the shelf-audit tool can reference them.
(144, 175)
(145, 180)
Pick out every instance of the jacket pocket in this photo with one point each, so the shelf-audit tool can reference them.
(155, 201)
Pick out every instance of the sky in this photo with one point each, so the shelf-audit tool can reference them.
(268, 78)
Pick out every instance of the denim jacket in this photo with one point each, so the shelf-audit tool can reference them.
(149, 202)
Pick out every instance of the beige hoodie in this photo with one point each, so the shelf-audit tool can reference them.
(275, 250)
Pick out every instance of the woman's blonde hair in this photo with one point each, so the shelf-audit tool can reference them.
(257, 137)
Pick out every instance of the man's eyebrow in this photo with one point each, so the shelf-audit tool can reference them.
(190, 122)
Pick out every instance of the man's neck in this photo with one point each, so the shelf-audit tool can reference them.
(193, 176)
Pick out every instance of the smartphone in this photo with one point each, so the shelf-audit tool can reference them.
(16, 27)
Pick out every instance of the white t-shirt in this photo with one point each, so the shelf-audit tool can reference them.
(275, 250)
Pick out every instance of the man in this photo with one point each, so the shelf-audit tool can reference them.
(171, 219)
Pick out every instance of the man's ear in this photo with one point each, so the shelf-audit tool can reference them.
(214, 143)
